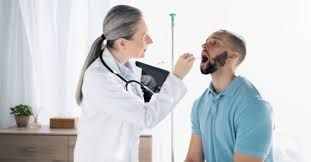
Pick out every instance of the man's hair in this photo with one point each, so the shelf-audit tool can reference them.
(237, 44)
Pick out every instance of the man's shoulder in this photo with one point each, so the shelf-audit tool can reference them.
(248, 97)
(247, 90)
(256, 108)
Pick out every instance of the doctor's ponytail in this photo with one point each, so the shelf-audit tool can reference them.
(92, 56)
(120, 22)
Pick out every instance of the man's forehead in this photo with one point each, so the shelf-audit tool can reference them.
(218, 36)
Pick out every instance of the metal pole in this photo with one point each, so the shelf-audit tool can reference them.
(172, 15)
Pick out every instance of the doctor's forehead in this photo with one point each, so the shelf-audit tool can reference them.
(142, 27)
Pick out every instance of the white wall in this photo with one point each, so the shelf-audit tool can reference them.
(277, 33)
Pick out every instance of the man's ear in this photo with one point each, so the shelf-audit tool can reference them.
(120, 43)
(233, 55)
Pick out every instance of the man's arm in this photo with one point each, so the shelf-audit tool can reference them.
(195, 151)
(254, 132)
(238, 157)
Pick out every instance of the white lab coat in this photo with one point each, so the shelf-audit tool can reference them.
(112, 118)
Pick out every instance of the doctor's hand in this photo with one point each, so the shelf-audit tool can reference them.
(183, 65)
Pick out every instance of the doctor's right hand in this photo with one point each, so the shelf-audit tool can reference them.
(183, 65)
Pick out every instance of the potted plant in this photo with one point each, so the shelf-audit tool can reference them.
(22, 114)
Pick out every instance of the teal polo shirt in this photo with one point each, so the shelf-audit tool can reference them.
(237, 120)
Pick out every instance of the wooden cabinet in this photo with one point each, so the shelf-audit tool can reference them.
(49, 145)
(71, 145)
(30, 147)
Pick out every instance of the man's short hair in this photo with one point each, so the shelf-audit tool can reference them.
(237, 44)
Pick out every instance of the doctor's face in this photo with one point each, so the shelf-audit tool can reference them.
(214, 53)
(137, 45)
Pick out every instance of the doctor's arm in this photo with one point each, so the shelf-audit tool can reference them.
(107, 90)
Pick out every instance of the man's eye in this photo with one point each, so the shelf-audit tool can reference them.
(217, 43)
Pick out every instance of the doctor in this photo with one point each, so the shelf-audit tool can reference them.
(114, 114)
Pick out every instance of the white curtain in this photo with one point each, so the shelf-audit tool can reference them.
(43, 47)
(16, 75)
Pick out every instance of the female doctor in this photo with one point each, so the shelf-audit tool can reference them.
(113, 113)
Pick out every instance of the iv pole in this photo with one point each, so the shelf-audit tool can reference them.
(172, 15)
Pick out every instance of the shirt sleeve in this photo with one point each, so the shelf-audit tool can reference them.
(254, 129)
(195, 119)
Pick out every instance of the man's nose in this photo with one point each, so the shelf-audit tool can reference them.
(204, 46)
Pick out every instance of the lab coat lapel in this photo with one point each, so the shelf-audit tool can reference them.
(137, 72)
(111, 62)
(137, 75)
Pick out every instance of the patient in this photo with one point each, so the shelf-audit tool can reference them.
(230, 120)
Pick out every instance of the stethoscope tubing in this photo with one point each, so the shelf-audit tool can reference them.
(126, 81)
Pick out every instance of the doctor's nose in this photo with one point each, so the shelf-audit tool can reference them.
(149, 40)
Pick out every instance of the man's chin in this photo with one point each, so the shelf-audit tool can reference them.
(204, 71)
(204, 67)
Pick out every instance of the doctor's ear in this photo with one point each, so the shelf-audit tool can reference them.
(120, 43)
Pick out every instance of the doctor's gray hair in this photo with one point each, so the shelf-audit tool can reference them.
(120, 22)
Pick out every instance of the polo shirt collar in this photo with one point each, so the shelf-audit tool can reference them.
(230, 90)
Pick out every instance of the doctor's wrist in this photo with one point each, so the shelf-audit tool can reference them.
(181, 77)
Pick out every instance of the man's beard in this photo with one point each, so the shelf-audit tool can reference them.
(214, 64)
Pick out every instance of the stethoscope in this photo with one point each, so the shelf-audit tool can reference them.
(127, 82)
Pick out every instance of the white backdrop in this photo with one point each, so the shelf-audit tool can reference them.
(277, 35)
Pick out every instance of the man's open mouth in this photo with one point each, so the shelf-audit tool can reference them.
(204, 58)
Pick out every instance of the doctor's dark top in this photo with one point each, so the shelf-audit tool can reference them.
(234, 121)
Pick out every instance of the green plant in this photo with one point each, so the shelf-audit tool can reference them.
(21, 110)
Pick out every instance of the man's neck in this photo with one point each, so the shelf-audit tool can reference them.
(221, 80)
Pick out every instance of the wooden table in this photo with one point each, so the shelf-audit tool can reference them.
(49, 145)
